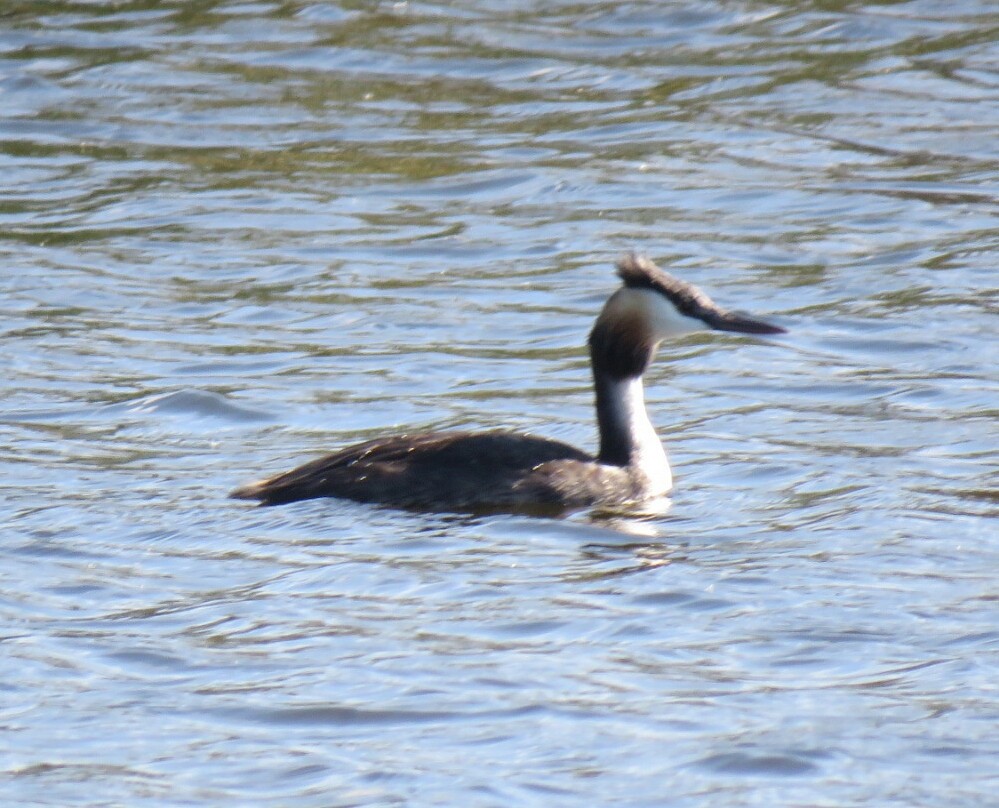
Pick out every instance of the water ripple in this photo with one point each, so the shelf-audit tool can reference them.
(239, 235)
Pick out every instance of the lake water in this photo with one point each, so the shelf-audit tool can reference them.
(237, 235)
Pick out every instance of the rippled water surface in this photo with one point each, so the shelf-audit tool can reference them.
(236, 235)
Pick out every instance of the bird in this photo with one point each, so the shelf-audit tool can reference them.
(507, 471)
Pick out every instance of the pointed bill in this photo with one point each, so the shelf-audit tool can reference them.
(722, 320)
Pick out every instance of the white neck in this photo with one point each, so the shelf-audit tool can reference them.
(627, 436)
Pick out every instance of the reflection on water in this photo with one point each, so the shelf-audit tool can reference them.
(239, 235)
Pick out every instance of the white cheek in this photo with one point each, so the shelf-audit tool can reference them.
(667, 321)
(646, 311)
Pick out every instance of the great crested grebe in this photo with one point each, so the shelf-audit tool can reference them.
(498, 470)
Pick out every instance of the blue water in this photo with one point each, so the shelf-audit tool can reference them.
(237, 235)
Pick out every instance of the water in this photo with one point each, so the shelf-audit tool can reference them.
(236, 235)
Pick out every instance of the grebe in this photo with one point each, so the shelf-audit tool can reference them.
(507, 471)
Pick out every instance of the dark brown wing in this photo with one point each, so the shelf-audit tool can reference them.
(435, 470)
